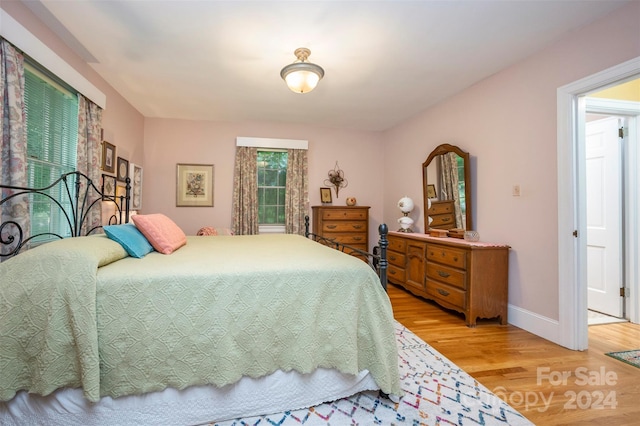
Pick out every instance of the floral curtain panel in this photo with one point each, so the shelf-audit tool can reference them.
(297, 191)
(449, 183)
(13, 146)
(88, 154)
(245, 192)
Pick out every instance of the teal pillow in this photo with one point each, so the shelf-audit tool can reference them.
(129, 238)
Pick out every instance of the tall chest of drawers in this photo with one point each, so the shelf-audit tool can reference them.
(443, 214)
(347, 225)
(471, 278)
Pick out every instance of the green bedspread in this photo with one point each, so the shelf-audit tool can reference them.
(213, 311)
(48, 330)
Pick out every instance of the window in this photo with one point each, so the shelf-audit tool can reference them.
(272, 179)
(52, 136)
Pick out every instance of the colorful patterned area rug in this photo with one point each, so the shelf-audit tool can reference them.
(437, 392)
(630, 357)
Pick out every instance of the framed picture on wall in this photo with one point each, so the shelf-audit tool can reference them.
(135, 174)
(108, 187)
(108, 157)
(123, 169)
(194, 186)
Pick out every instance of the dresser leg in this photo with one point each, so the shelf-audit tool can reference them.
(503, 319)
(471, 321)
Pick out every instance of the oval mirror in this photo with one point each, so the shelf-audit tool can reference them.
(447, 189)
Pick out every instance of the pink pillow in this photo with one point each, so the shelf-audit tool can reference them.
(163, 233)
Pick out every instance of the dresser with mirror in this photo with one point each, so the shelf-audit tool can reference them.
(470, 277)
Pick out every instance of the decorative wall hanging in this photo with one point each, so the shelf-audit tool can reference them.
(108, 187)
(194, 187)
(135, 174)
(108, 157)
(123, 169)
(336, 179)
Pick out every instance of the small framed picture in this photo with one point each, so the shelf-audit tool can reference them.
(108, 157)
(108, 187)
(135, 174)
(325, 195)
(194, 186)
(123, 169)
(431, 191)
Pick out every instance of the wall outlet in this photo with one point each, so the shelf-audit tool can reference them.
(516, 190)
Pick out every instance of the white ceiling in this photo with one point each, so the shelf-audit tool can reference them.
(384, 61)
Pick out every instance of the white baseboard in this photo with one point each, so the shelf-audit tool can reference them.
(539, 325)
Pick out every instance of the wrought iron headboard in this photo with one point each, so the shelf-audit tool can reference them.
(74, 207)
(377, 260)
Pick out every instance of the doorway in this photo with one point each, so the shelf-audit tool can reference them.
(572, 220)
(611, 144)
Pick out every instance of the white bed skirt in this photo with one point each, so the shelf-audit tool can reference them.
(195, 405)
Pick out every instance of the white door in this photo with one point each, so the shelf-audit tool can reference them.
(604, 202)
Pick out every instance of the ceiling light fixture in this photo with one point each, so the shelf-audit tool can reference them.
(302, 76)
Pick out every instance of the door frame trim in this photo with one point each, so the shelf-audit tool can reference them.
(571, 107)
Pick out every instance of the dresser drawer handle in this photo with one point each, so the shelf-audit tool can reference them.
(392, 272)
(331, 226)
(357, 226)
(444, 274)
(443, 292)
(446, 219)
(392, 257)
(357, 238)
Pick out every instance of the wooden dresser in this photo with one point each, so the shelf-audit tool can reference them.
(468, 277)
(344, 224)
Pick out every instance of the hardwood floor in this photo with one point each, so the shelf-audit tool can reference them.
(527, 371)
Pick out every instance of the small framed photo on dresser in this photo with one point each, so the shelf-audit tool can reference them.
(431, 191)
(325, 195)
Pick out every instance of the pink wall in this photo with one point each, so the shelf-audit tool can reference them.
(508, 124)
(123, 125)
(168, 142)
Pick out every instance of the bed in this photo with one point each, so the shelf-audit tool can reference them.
(221, 328)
